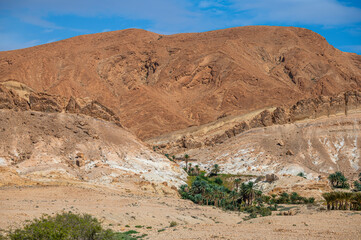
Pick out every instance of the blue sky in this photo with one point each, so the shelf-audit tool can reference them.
(26, 23)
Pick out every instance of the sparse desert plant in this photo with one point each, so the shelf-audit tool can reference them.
(173, 224)
(301, 174)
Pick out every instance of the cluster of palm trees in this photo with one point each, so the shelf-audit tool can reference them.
(343, 200)
(193, 171)
(338, 180)
(206, 192)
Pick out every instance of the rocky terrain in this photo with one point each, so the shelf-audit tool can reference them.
(314, 136)
(43, 140)
(158, 84)
(85, 124)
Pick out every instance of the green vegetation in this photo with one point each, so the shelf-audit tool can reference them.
(216, 169)
(357, 184)
(343, 201)
(170, 158)
(212, 191)
(186, 158)
(229, 193)
(67, 226)
(301, 174)
(338, 180)
(294, 198)
(173, 224)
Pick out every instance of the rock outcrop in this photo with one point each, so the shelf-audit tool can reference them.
(313, 108)
(51, 147)
(43, 102)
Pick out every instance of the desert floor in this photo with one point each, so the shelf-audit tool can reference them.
(118, 209)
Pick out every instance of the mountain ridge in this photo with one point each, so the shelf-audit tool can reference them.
(162, 83)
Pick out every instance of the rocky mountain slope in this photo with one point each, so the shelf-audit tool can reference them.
(42, 143)
(157, 83)
(314, 147)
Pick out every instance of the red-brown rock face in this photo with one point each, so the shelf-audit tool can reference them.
(157, 84)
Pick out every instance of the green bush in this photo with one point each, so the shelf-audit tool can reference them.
(66, 226)
(301, 174)
(173, 224)
(357, 186)
(218, 181)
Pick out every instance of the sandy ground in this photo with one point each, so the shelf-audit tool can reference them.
(117, 210)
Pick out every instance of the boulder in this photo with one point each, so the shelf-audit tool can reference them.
(289, 152)
(271, 177)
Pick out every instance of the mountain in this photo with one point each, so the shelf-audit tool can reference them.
(157, 84)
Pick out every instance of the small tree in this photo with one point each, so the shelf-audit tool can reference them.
(186, 158)
(215, 169)
(198, 170)
(236, 183)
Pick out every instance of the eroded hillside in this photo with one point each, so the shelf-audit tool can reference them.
(45, 143)
(157, 83)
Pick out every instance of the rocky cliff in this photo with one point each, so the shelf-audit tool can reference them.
(17, 99)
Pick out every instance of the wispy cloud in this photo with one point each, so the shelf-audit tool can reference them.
(321, 12)
(173, 16)
(352, 48)
(52, 40)
(10, 41)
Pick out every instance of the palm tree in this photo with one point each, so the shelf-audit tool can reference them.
(186, 157)
(333, 179)
(216, 169)
(198, 170)
(347, 197)
(233, 195)
(250, 192)
(208, 194)
(328, 198)
(236, 183)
